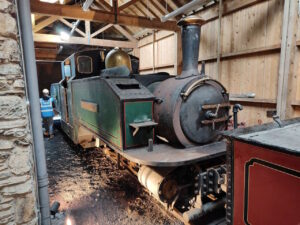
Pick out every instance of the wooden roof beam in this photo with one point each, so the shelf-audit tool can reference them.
(127, 4)
(101, 30)
(159, 7)
(146, 10)
(152, 9)
(44, 23)
(141, 12)
(50, 38)
(67, 23)
(75, 12)
(105, 5)
(125, 33)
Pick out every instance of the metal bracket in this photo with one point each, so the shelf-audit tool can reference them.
(137, 126)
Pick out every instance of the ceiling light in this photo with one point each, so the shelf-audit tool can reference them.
(64, 36)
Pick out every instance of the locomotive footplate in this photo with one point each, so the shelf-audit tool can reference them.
(164, 155)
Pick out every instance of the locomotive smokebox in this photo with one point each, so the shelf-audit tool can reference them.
(191, 109)
(190, 34)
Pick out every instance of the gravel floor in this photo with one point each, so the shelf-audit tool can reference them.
(91, 190)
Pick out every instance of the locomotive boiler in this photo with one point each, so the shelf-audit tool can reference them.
(164, 128)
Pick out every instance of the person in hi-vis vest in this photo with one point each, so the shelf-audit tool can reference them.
(47, 105)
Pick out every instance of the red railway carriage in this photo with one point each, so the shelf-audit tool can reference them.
(264, 175)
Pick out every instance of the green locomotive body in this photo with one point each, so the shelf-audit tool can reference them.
(117, 110)
(165, 129)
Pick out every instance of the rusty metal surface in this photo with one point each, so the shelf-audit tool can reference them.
(287, 138)
(164, 155)
(183, 117)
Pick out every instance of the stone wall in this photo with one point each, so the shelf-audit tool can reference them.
(17, 176)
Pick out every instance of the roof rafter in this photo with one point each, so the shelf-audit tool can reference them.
(159, 7)
(51, 38)
(140, 10)
(67, 23)
(44, 23)
(146, 10)
(153, 9)
(149, 8)
(127, 4)
(75, 12)
(105, 5)
(125, 33)
(101, 30)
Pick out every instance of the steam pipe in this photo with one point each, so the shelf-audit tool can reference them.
(25, 31)
(185, 8)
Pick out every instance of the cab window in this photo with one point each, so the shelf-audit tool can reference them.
(84, 64)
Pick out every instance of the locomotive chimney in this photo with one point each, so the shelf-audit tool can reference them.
(190, 35)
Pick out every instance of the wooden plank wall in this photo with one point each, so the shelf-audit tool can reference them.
(250, 54)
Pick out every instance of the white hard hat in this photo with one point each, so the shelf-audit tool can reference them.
(45, 91)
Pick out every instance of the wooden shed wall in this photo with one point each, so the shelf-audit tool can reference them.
(250, 43)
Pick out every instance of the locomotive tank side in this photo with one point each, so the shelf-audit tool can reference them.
(193, 107)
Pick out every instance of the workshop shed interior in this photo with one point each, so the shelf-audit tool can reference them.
(152, 102)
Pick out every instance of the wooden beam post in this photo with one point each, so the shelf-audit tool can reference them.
(153, 52)
(88, 30)
(219, 40)
(288, 49)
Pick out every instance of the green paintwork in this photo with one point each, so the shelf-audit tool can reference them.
(136, 112)
(105, 122)
(108, 110)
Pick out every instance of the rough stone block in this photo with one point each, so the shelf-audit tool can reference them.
(5, 174)
(13, 181)
(18, 189)
(4, 199)
(4, 86)
(6, 145)
(19, 161)
(19, 83)
(3, 166)
(24, 209)
(6, 125)
(12, 107)
(5, 6)
(8, 25)
(25, 141)
(4, 155)
(16, 132)
(9, 49)
(9, 68)
(5, 214)
(5, 206)
(33, 222)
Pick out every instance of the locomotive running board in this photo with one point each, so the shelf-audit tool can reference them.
(164, 155)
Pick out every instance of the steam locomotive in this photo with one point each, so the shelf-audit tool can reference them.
(164, 128)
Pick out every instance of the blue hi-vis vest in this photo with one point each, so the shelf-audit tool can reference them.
(46, 108)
